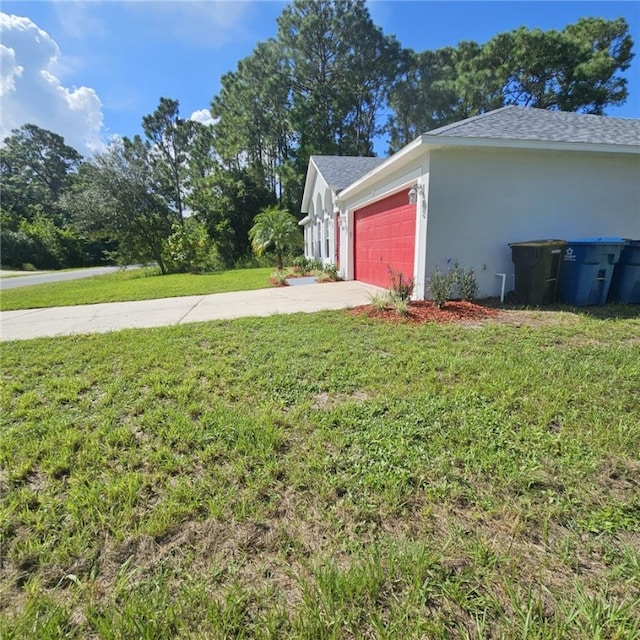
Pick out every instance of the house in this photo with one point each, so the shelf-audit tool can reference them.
(465, 191)
(327, 176)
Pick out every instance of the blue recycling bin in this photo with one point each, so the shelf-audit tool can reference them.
(587, 268)
(625, 282)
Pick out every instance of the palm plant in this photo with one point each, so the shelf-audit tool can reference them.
(276, 230)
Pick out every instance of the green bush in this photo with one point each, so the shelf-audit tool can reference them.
(331, 270)
(45, 245)
(381, 301)
(439, 286)
(303, 265)
(17, 248)
(467, 284)
(252, 261)
(401, 287)
(279, 278)
(51, 252)
(299, 263)
(464, 281)
(401, 305)
(189, 249)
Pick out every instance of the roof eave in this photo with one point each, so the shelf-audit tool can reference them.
(438, 142)
(306, 194)
(405, 155)
(427, 142)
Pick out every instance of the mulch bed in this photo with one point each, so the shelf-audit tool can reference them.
(425, 311)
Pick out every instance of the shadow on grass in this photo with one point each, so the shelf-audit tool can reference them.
(610, 311)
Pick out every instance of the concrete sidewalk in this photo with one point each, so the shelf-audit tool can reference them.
(111, 316)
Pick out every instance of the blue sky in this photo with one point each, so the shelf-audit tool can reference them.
(89, 69)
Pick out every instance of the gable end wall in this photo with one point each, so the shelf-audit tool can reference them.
(479, 201)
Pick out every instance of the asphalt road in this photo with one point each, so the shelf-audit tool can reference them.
(53, 276)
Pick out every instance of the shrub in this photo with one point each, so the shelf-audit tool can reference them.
(464, 281)
(401, 287)
(300, 264)
(252, 261)
(401, 305)
(467, 284)
(331, 270)
(439, 286)
(381, 301)
(189, 248)
(304, 265)
(17, 248)
(279, 278)
(50, 242)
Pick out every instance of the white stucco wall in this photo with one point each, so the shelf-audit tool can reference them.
(480, 200)
(321, 223)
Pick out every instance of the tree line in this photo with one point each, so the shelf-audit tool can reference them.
(185, 195)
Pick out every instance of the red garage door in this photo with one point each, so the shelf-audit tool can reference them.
(384, 237)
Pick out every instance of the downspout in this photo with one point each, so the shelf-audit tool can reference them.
(503, 285)
(503, 276)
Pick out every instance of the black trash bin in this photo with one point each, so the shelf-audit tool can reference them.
(537, 264)
(625, 282)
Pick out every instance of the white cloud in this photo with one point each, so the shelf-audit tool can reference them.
(203, 116)
(33, 93)
(76, 18)
(10, 70)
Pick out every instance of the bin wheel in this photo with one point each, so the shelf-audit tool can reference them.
(512, 297)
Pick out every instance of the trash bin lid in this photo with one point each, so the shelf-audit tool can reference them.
(539, 243)
(601, 240)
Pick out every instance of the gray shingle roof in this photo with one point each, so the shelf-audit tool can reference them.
(519, 123)
(340, 171)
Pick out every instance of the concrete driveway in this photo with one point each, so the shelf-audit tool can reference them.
(100, 318)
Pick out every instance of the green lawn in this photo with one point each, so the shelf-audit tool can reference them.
(324, 476)
(136, 284)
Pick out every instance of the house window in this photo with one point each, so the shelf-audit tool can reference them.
(319, 241)
(326, 239)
